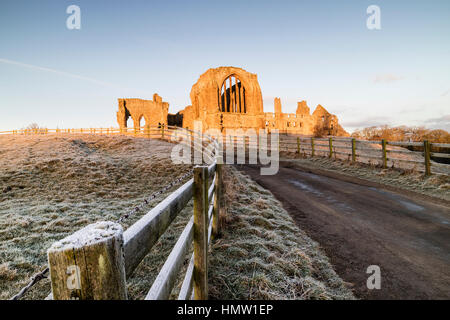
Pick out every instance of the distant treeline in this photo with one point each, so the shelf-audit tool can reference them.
(402, 133)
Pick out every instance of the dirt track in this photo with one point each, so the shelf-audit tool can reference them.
(359, 225)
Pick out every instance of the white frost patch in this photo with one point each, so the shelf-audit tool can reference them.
(89, 235)
(406, 203)
(330, 199)
(306, 187)
(411, 206)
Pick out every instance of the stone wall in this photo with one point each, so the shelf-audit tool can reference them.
(302, 122)
(153, 112)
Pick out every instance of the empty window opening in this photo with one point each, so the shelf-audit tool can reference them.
(129, 123)
(232, 96)
(141, 122)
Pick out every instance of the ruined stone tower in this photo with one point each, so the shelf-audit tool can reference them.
(225, 98)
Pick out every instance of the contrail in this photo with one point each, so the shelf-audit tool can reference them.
(63, 73)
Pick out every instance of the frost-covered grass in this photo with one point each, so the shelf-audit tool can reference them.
(262, 254)
(434, 185)
(53, 185)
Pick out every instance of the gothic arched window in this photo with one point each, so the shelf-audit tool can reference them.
(232, 95)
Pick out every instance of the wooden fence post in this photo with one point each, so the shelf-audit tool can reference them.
(383, 147)
(312, 146)
(89, 264)
(217, 201)
(162, 131)
(353, 150)
(298, 145)
(330, 140)
(426, 155)
(200, 233)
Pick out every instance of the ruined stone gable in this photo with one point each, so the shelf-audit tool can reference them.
(225, 98)
(143, 113)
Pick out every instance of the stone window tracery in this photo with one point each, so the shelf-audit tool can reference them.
(232, 95)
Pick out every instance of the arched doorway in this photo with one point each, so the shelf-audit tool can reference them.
(129, 122)
(141, 122)
(232, 95)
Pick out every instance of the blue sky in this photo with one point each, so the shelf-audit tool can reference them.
(319, 51)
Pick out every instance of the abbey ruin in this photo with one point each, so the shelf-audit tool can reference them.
(228, 98)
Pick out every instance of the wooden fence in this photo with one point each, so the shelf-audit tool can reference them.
(168, 133)
(390, 153)
(386, 153)
(142, 131)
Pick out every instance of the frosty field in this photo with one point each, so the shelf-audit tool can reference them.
(51, 186)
